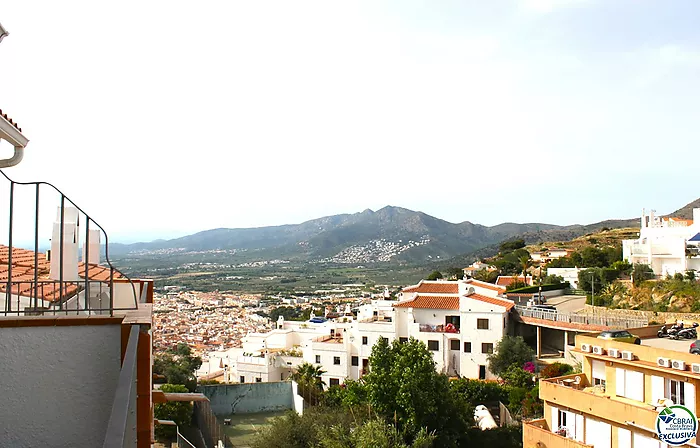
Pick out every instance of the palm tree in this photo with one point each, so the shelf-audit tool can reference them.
(309, 374)
(525, 263)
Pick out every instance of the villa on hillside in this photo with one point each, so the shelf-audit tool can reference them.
(459, 321)
(668, 245)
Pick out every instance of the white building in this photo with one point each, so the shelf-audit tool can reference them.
(667, 245)
(459, 321)
(568, 274)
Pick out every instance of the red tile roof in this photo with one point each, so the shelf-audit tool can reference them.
(10, 121)
(507, 304)
(23, 274)
(485, 285)
(430, 287)
(507, 280)
(431, 302)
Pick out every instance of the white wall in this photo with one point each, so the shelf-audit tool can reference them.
(58, 384)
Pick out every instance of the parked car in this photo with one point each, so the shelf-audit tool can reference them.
(695, 347)
(545, 308)
(620, 335)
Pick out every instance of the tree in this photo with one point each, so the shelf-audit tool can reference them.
(178, 411)
(510, 350)
(509, 246)
(525, 263)
(435, 275)
(552, 280)
(485, 275)
(640, 273)
(516, 376)
(403, 386)
(178, 365)
(455, 273)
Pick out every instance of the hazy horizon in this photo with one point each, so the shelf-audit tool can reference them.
(162, 119)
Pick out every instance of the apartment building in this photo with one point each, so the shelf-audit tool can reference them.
(615, 401)
(668, 245)
(459, 321)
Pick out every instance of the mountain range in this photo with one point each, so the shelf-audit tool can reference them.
(390, 234)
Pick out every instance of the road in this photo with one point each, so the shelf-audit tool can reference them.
(567, 304)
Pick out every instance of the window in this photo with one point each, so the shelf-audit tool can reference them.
(676, 391)
(364, 340)
(562, 418)
(482, 372)
(336, 360)
(355, 361)
(318, 359)
(504, 322)
(434, 345)
(482, 324)
(598, 373)
(454, 344)
(454, 320)
(334, 382)
(242, 378)
(403, 340)
(258, 380)
(486, 348)
(467, 347)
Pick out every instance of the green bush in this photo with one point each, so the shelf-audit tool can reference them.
(556, 369)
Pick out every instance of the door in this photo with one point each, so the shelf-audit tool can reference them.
(482, 372)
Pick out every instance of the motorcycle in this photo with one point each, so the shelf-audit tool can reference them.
(688, 333)
(670, 332)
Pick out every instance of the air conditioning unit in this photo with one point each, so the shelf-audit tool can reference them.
(663, 362)
(614, 353)
(586, 348)
(678, 364)
(627, 355)
(695, 368)
(598, 350)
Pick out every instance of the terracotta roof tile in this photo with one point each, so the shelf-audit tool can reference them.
(507, 280)
(485, 285)
(10, 121)
(507, 304)
(23, 275)
(431, 302)
(428, 287)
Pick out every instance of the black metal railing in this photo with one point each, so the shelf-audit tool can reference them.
(212, 429)
(121, 429)
(29, 288)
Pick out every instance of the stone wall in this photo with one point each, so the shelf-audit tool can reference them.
(652, 316)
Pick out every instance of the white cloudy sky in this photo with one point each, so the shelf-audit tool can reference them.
(167, 117)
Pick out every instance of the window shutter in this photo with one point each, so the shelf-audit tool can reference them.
(690, 396)
(620, 382)
(599, 370)
(624, 438)
(555, 418)
(657, 388)
(634, 385)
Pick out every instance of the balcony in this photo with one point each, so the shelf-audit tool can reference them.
(427, 328)
(575, 392)
(536, 433)
(67, 279)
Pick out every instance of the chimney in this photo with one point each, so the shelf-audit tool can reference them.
(70, 246)
(93, 246)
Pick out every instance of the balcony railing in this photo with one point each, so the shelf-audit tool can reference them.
(584, 319)
(538, 433)
(427, 328)
(121, 429)
(32, 282)
(563, 391)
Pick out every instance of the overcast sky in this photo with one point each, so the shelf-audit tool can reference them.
(165, 118)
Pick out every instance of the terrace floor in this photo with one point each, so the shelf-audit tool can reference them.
(244, 427)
